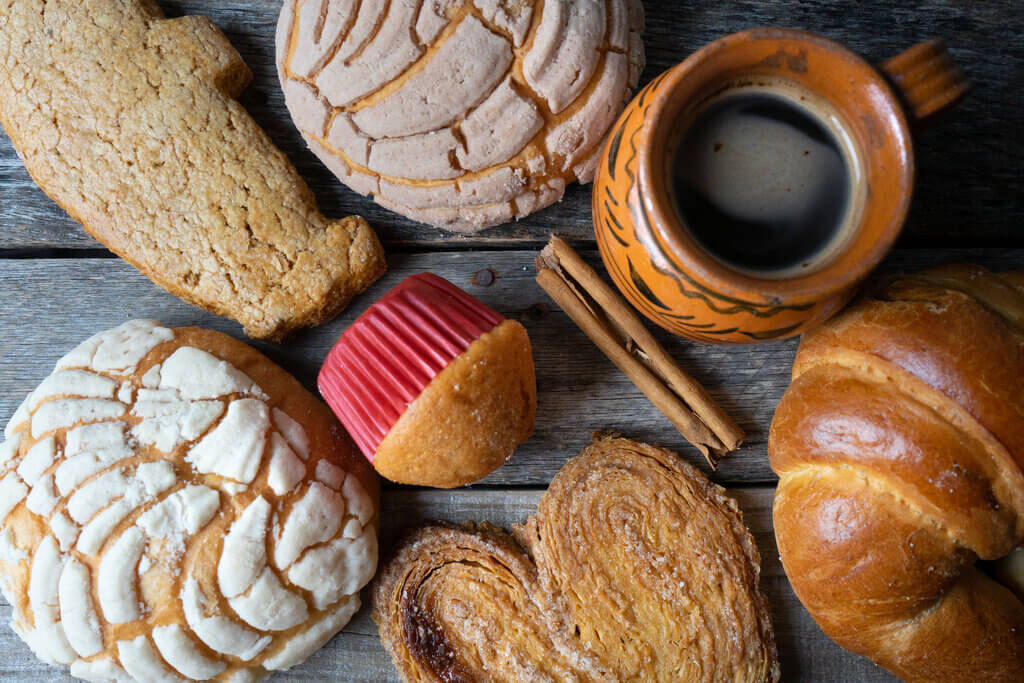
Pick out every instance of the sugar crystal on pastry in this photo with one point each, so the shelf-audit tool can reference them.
(129, 120)
(634, 568)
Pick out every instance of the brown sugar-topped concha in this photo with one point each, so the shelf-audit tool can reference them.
(459, 113)
(175, 506)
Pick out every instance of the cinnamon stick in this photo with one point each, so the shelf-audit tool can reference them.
(612, 325)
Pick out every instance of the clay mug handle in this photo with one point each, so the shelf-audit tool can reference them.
(927, 79)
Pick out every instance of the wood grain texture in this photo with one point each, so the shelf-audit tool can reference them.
(356, 654)
(970, 193)
(49, 306)
(970, 182)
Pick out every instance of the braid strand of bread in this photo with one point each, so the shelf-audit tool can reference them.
(900, 452)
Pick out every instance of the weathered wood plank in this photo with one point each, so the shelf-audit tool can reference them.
(970, 184)
(49, 306)
(356, 654)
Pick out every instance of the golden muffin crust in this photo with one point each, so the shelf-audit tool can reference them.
(470, 418)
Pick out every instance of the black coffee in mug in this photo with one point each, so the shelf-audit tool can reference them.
(763, 182)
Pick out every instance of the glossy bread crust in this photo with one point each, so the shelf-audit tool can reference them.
(900, 452)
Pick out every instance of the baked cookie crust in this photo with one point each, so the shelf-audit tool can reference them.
(129, 121)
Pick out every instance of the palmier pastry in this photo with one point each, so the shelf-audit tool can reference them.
(900, 452)
(635, 567)
(175, 505)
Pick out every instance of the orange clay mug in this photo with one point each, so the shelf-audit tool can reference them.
(658, 261)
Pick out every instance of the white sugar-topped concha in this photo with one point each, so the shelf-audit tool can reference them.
(174, 506)
(459, 113)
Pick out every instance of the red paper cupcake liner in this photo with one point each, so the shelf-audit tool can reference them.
(383, 361)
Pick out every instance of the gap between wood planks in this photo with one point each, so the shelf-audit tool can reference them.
(457, 244)
(50, 305)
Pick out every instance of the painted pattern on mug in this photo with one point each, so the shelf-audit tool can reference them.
(640, 262)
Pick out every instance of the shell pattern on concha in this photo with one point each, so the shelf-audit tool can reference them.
(459, 113)
(163, 520)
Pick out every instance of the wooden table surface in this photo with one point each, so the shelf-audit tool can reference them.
(59, 286)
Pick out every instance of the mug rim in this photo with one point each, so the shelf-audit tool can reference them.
(841, 271)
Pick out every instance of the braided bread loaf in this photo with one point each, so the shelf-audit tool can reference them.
(900, 452)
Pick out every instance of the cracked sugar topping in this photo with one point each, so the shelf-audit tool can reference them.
(162, 516)
(461, 114)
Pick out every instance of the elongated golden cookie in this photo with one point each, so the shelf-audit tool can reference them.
(128, 120)
(635, 568)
